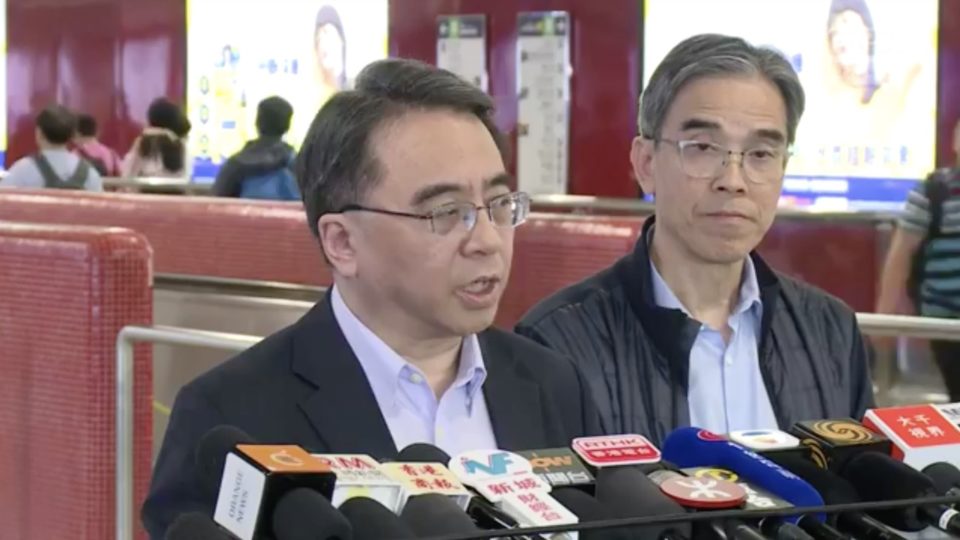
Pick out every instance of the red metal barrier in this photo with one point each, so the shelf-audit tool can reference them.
(65, 292)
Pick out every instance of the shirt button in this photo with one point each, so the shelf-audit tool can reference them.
(415, 378)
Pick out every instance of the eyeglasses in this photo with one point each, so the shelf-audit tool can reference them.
(698, 159)
(508, 210)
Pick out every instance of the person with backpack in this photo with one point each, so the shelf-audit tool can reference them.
(54, 166)
(263, 169)
(102, 157)
(924, 261)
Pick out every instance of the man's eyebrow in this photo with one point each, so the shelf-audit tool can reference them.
(772, 135)
(503, 179)
(699, 123)
(435, 190)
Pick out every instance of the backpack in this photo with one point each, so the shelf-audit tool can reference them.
(77, 180)
(936, 189)
(277, 185)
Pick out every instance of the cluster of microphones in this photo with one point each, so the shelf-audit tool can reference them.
(894, 475)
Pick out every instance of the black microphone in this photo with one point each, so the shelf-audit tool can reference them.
(878, 477)
(304, 514)
(196, 526)
(783, 530)
(250, 479)
(945, 477)
(483, 512)
(628, 493)
(371, 520)
(836, 490)
(433, 514)
(589, 509)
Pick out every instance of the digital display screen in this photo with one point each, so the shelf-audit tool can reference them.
(869, 71)
(243, 51)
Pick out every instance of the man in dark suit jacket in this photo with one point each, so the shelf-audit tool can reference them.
(405, 187)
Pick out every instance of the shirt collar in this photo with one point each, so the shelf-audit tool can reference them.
(385, 368)
(749, 290)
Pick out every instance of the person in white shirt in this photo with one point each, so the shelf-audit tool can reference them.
(161, 150)
(54, 166)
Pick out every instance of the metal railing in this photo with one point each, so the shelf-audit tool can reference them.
(126, 339)
(872, 324)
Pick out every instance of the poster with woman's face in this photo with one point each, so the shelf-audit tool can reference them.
(868, 68)
(301, 50)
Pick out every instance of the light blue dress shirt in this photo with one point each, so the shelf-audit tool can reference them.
(726, 390)
(457, 422)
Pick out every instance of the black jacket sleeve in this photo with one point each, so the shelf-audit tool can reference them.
(861, 391)
(175, 488)
(229, 180)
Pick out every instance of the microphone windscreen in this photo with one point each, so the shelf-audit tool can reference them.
(944, 476)
(304, 514)
(195, 526)
(627, 493)
(371, 520)
(434, 514)
(588, 509)
(878, 477)
(423, 453)
(833, 488)
(211, 453)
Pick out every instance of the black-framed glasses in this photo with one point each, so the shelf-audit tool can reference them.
(699, 159)
(508, 210)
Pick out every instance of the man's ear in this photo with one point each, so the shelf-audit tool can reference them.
(337, 239)
(641, 157)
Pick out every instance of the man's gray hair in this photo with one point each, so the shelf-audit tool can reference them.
(715, 55)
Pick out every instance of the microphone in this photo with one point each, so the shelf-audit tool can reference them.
(371, 520)
(771, 443)
(507, 480)
(359, 475)
(484, 513)
(708, 493)
(878, 477)
(836, 490)
(589, 509)
(694, 447)
(945, 478)
(833, 441)
(434, 514)
(628, 493)
(559, 467)
(782, 530)
(252, 478)
(196, 526)
(304, 514)
(920, 434)
(761, 499)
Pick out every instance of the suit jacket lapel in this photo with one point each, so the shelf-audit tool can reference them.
(343, 409)
(513, 397)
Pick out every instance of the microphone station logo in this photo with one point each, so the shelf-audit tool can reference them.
(765, 439)
(558, 467)
(709, 436)
(283, 458)
(951, 411)
(918, 426)
(616, 450)
(843, 431)
(757, 499)
(817, 455)
(705, 493)
(480, 464)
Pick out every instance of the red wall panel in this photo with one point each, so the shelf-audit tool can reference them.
(108, 58)
(605, 54)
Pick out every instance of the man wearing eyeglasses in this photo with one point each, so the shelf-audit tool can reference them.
(692, 327)
(406, 190)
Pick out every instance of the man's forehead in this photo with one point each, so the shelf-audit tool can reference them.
(741, 106)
